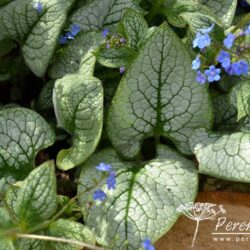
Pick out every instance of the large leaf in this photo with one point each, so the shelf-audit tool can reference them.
(37, 197)
(70, 59)
(243, 100)
(225, 117)
(224, 9)
(27, 244)
(22, 134)
(78, 103)
(158, 97)
(72, 230)
(192, 12)
(37, 33)
(145, 200)
(6, 244)
(44, 100)
(5, 220)
(97, 14)
(223, 156)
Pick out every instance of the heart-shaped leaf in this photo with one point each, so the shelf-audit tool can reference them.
(191, 12)
(78, 104)
(6, 245)
(243, 100)
(144, 203)
(70, 230)
(224, 156)
(23, 133)
(224, 9)
(96, 14)
(225, 117)
(37, 197)
(27, 244)
(71, 58)
(36, 30)
(44, 100)
(158, 97)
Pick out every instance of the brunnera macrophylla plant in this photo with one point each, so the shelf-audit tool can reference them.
(124, 105)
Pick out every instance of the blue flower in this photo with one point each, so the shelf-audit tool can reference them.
(224, 59)
(238, 68)
(105, 33)
(39, 7)
(207, 30)
(99, 195)
(201, 78)
(247, 31)
(103, 167)
(146, 244)
(229, 41)
(62, 39)
(69, 35)
(122, 70)
(196, 63)
(213, 74)
(111, 181)
(75, 29)
(201, 41)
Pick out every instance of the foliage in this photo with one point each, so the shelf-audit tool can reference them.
(135, 97)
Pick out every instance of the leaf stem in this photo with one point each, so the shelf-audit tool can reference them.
(56, 239)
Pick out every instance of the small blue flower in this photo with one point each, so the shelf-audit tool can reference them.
(105, 33)
(244, 67)
(75, 29)
(69, 35)
(229, 41)
(111, 181)
(207, 30)
(122, 70)
(247, 31)
(224, 59)
(62, 39)
(146, 244)
(108, 46)
(39, 7)
(238, 68)
(201, 78)
(229, 70)
(99, 195)
(196, 63)
(201, 41)
(103, 167)
(213, 74)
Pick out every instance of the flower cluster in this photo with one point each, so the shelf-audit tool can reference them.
(114, 41)
(228, 58)
(111, 181)
(70, 35)
(39, 7)
(146, 244)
